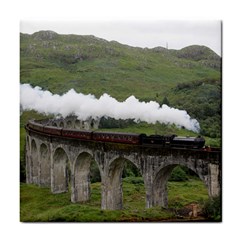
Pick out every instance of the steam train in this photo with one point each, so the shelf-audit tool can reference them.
(126, 138)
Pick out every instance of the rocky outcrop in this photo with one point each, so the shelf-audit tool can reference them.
(45, 35)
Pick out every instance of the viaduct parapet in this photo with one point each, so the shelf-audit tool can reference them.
(72, 122)
(52, 161)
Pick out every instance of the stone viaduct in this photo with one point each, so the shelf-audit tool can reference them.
(53, 162)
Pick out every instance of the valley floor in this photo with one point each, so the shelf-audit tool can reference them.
(40, 205)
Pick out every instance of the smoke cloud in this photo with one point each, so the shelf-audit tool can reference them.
(85, 106)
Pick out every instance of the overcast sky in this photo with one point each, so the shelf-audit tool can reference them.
(175, 34)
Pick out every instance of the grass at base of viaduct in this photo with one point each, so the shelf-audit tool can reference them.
(40, 205)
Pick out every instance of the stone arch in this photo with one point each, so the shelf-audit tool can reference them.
(54, 124)
(81, 190)
(61, 124)
(69, 124)
(77, 124)
(92, 123)
(112, 193)
(160, 194)
(112, 185)
(60, 174)
(34, 165)
(115, 172)
(45, 166)
(159, 187)
(138, 184)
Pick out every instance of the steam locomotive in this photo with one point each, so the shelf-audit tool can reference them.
(126, 138)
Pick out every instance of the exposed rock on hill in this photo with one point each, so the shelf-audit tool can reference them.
(200, 53)
(45, 35)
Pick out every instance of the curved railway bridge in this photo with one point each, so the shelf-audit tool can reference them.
(50, 157)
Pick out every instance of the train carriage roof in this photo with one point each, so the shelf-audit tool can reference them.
(76, 130)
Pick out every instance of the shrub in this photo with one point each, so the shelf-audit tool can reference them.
(178, 175)
(134, 180)
(212, 209)
(130, 170)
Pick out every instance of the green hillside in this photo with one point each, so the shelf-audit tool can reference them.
(188, 79)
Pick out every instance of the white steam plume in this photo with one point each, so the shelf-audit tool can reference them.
(85, 106)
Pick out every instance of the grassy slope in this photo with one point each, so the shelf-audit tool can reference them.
(38, 204)
(92, 65)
